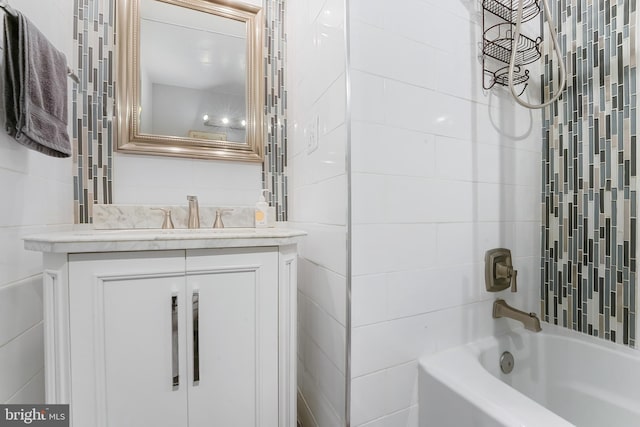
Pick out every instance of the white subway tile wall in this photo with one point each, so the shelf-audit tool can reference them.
(441, 172)
(316, 84)
(36, 194)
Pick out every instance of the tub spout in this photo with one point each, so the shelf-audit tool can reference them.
(529, 320)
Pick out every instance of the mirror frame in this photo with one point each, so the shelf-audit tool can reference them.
(129, 137)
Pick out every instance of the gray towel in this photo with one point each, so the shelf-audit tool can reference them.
(35, 80)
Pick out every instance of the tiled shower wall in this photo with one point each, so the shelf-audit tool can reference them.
(95, 165)
(589, 173)
(441, 172)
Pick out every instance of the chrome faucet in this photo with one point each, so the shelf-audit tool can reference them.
(529, 320)
(194, 212)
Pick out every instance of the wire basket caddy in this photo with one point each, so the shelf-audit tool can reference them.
(498, 42)
(501, 77)
(507, 9)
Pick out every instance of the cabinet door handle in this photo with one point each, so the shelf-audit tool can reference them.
(175, 374)
(195, 301)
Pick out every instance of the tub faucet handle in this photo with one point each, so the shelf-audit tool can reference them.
(504, 270)
(499, 271)
(514, 280)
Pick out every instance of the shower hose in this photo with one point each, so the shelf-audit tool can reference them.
(556, 45)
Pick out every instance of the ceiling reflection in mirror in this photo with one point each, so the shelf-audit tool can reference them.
(192, 73)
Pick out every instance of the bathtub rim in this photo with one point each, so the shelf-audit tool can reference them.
(462, 373)
(460, 369)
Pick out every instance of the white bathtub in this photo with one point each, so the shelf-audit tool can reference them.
(560, 378)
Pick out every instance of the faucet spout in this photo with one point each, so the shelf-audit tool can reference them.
(529, 320)
(194, 212)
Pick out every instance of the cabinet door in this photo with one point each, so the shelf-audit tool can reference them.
(128, 319)
(145, 347)
(236, 291)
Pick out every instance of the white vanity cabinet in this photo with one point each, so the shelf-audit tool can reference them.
(178, 338)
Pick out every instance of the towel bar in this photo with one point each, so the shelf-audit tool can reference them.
(73, 76)
(7, 8)
(5, 5)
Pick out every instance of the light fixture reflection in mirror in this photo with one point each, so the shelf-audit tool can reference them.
(189, 65)
(225, 125)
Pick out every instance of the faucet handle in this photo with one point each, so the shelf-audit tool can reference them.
(218, 221)
(499, 271)
(167, 223)
(511, 274)
(504, 270)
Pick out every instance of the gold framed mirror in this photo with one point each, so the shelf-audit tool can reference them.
(190, 79)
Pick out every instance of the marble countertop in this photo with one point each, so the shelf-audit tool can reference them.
(77, 241)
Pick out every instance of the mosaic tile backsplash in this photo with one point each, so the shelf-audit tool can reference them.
(589, 172)
(92, 103)
(93, 100)
(274, 168)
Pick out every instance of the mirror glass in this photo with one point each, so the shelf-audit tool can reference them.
(193, 79)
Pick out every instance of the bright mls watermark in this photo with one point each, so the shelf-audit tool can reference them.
(34, 415)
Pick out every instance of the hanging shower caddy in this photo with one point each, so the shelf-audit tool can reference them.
(498, 43)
